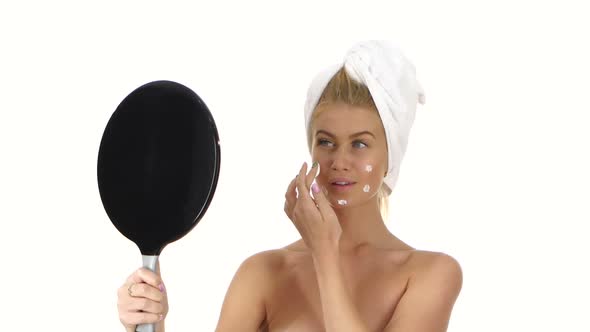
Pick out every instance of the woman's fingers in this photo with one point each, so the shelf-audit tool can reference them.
(313, 172)
(146, 276)
(302, 182)
(291, 194)
(290, 198)
(141, 290)
(323, 203)
(139, 310)
(142, 299)
(145, 305)
(136, 318)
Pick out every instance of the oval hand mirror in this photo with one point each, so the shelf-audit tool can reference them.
(158, 165)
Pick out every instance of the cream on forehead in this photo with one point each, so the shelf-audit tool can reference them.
(369, 168)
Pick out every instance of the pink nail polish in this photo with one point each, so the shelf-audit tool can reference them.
(162, 288)
(160, 317)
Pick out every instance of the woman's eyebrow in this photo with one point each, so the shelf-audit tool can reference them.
(321, 131)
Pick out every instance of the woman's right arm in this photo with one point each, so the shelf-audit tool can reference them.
(244, 308)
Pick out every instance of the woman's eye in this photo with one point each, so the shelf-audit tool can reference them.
(355, 142)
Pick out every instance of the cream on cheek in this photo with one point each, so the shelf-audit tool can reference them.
(368, 169)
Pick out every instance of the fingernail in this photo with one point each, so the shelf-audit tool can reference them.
(315, 188)
(160, 317)
(315, 163)
(162, 288)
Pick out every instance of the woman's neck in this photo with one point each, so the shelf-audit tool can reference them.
(361, 225)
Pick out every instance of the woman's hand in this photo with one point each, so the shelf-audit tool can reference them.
(142, 299)
(315, 219)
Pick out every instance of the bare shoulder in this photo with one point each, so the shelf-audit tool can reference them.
(266, 265)
(436, 263)
(267, 262)
(434, 283)
(244, 306)
(436, 271)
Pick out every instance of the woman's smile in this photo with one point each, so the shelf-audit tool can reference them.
(342, 188)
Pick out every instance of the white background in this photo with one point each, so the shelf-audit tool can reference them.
(496, 172)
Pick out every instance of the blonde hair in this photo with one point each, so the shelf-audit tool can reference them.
(342, 88)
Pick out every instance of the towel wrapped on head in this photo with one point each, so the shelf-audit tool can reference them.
(391, 80)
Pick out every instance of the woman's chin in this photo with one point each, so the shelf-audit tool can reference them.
(339, 202)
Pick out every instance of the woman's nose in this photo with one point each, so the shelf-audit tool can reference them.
(340, 160)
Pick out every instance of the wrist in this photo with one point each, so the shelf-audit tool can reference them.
(327, 254)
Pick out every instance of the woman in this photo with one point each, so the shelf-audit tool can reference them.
(348, 272)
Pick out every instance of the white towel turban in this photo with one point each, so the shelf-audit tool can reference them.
(391, 80)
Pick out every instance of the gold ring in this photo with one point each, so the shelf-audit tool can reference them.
(129, 290)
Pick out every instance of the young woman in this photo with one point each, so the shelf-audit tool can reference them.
(348, 272)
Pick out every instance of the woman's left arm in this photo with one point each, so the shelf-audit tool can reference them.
(340, 312)
(320, 229)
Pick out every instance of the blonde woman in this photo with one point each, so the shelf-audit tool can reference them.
(348, 272)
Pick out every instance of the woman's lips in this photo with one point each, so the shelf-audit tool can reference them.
(342, 188)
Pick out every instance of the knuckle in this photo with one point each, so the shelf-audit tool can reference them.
(135, 291)
(146, 288)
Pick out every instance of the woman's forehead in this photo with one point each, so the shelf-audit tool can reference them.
(348, 120)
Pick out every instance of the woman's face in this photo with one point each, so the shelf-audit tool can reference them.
(349, 144)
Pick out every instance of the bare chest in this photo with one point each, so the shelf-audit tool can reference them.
(375, 282)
